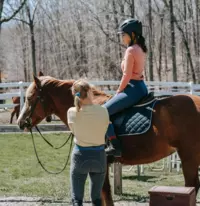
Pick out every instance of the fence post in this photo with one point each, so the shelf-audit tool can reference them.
(21, 92)
(138, 170)
(191, 87)
(117, 178)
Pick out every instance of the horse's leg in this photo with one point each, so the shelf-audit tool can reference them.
(190, 172)
(17, 113)
(106, 191)
(12, 115)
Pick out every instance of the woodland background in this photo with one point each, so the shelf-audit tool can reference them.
(69, 39)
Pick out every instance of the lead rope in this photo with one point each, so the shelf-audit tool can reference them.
(50, 172)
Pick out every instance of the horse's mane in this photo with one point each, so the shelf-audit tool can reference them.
(97, 92)
(48, 80)
(57, 83)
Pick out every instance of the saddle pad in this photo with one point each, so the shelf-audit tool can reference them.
(133, 121)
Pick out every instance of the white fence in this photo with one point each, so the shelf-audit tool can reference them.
(159, 88)
(19, 86)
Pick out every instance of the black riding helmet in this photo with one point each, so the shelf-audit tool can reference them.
(131, 25)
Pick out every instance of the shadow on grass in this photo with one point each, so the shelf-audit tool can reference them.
(140, 178)
(134, 197)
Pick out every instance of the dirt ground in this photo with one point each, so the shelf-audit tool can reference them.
(28, 201)
(5, 116)
(32, 203)
(66, 204)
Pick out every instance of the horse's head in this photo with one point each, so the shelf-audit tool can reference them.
(37, 105)
(47, 95)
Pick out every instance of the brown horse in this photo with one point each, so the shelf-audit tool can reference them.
(175, 126)
(16, 109)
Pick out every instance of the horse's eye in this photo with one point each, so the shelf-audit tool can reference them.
(28, 99)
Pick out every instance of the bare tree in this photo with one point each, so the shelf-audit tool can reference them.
(8, 18)
(79, 38)
(173, 41)
(186, 36)
(197, 38)
(132, 7)
(150, 42)
(186, 43)
(30, 10)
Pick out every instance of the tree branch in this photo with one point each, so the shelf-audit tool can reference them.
(98, 22)
(21, 20)
(33, 17)
(14, 14)
(185, 43)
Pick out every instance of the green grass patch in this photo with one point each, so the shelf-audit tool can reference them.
(21, 175)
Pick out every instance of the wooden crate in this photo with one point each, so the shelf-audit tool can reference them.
(172, 196)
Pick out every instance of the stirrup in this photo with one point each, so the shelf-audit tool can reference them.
(111, 151)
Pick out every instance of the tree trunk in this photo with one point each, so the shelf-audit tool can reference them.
(1, 10)
(107, 52)
(197, 41)
(24, 52)
(160, 48)
(33, 52)
(150, 43)
(186, 35)
(31, 28)
(133, 8)
(116, 26)
(165, 54)
(173, 41)
(83, 57)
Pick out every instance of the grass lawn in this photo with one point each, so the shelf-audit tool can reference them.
(21, 175)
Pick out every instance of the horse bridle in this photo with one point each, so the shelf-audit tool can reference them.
(28, 124)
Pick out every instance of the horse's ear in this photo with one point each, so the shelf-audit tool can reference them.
(40, 74)
(37, 81)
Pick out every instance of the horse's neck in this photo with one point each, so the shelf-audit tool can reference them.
(62, 100)
(100, 99)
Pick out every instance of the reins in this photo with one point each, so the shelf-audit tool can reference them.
(28, 124)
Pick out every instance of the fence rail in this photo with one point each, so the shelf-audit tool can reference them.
(159, 88)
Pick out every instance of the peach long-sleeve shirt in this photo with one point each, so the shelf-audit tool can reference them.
(132, 65)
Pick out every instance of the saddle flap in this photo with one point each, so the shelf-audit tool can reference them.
(134, 120)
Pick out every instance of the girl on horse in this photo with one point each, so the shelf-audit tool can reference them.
(89, 123)
(132, 87)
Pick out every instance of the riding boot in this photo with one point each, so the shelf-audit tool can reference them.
(114, 148)
(77, 203)
(97, 202)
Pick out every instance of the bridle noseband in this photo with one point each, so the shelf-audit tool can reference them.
(28, 121)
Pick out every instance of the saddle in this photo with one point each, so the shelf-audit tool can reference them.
(136, 119)
(150, 96)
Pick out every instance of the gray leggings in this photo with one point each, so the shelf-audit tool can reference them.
(84, 162)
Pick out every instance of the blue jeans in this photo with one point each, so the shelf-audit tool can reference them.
(132, 94)
(87, 162)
